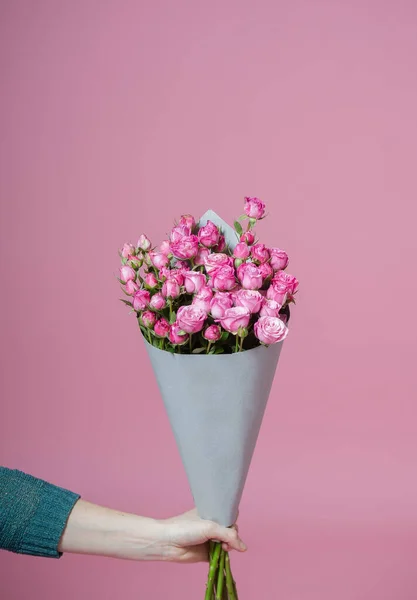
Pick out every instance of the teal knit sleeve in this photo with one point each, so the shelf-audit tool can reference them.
(33, 514)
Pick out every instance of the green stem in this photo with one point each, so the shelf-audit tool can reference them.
(170, 310)
(212, 571)
(149, 337)
(220, 578)
(191, 345)
(237, 344)
(229, 579)
(241, 344)
(208, 348)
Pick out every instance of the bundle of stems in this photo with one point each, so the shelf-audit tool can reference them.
(220, 582)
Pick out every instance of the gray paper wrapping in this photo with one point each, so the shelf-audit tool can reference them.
(215, 405)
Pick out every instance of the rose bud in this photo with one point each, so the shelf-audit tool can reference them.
(179, 232)
(266, 271)
(191, 319)
(209, 235)
(127, 274)
(135, 262)
(131, 287)
(200, 258)
(176, 335)
(219, 304)
(212, 333)
(171, 289)
(194, 282)
(254, 208)
(141, 300)
(187, 221)
(151, 281)
(185, 248)
(148, 319)
(247, 237)
(260, 253)
(235, 318)
(250, 276)
(270, 330)
(241, 251)
(270, 308)
(165, 248)
(127, 250)
(215, 261)
(250, 299)
(222, 244)
(158, 259)
(279, 259)
(158, 302)
(164, 273)
(161, 328)
(224, 280)
(144, 243)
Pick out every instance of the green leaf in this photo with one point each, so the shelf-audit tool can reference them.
(126, 302)
(238, 227)
(225, 336)
(198, 350)
(219, 350)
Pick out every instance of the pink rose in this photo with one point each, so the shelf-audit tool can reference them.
(266, 271)
(131, 287)
(270, 308)
(165, 248)
(235, 318)
(277, 291)
(222, 244)
(224, 279)
(135, 262)
(148, 319)
(279, 259)
(260, 253)
(151, 280)
(209, 235)
(215, 261)
(203, 299)
(201, 256)
(161, 328)
(247, 237)
(171, 289)
(185, 248)
(191, 319)
(187, 221)
(250, 299)
(158, 302)
(179, 232)
(164, 273)
(241, 251)
(270, 330)
(254, 208)
(127, 274)
(212, 333)
(286, 279)
(141, 300)
(177, 274)
(176, 335)
(219, 304)
(194, 282)
(158, 259)
(182, 266)
(144, 243)
(127, 250)
(250, 276)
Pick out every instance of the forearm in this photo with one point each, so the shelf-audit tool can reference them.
(93, 529)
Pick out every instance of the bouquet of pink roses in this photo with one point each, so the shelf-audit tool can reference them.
(212, 303)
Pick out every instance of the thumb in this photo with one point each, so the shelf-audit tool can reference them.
(227, 535)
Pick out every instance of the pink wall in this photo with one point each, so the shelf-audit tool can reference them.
(115, 117)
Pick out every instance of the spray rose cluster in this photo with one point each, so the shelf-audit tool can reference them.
(194, 294)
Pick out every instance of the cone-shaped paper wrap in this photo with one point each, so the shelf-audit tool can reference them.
(215, 405)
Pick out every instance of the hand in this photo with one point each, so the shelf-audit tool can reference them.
(185, 538)
(97, 530)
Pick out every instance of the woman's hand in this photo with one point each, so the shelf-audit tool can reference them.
(96, 530)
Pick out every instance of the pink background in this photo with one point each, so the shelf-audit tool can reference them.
(115, 117)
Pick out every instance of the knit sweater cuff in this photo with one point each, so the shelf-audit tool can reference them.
(48, 523)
